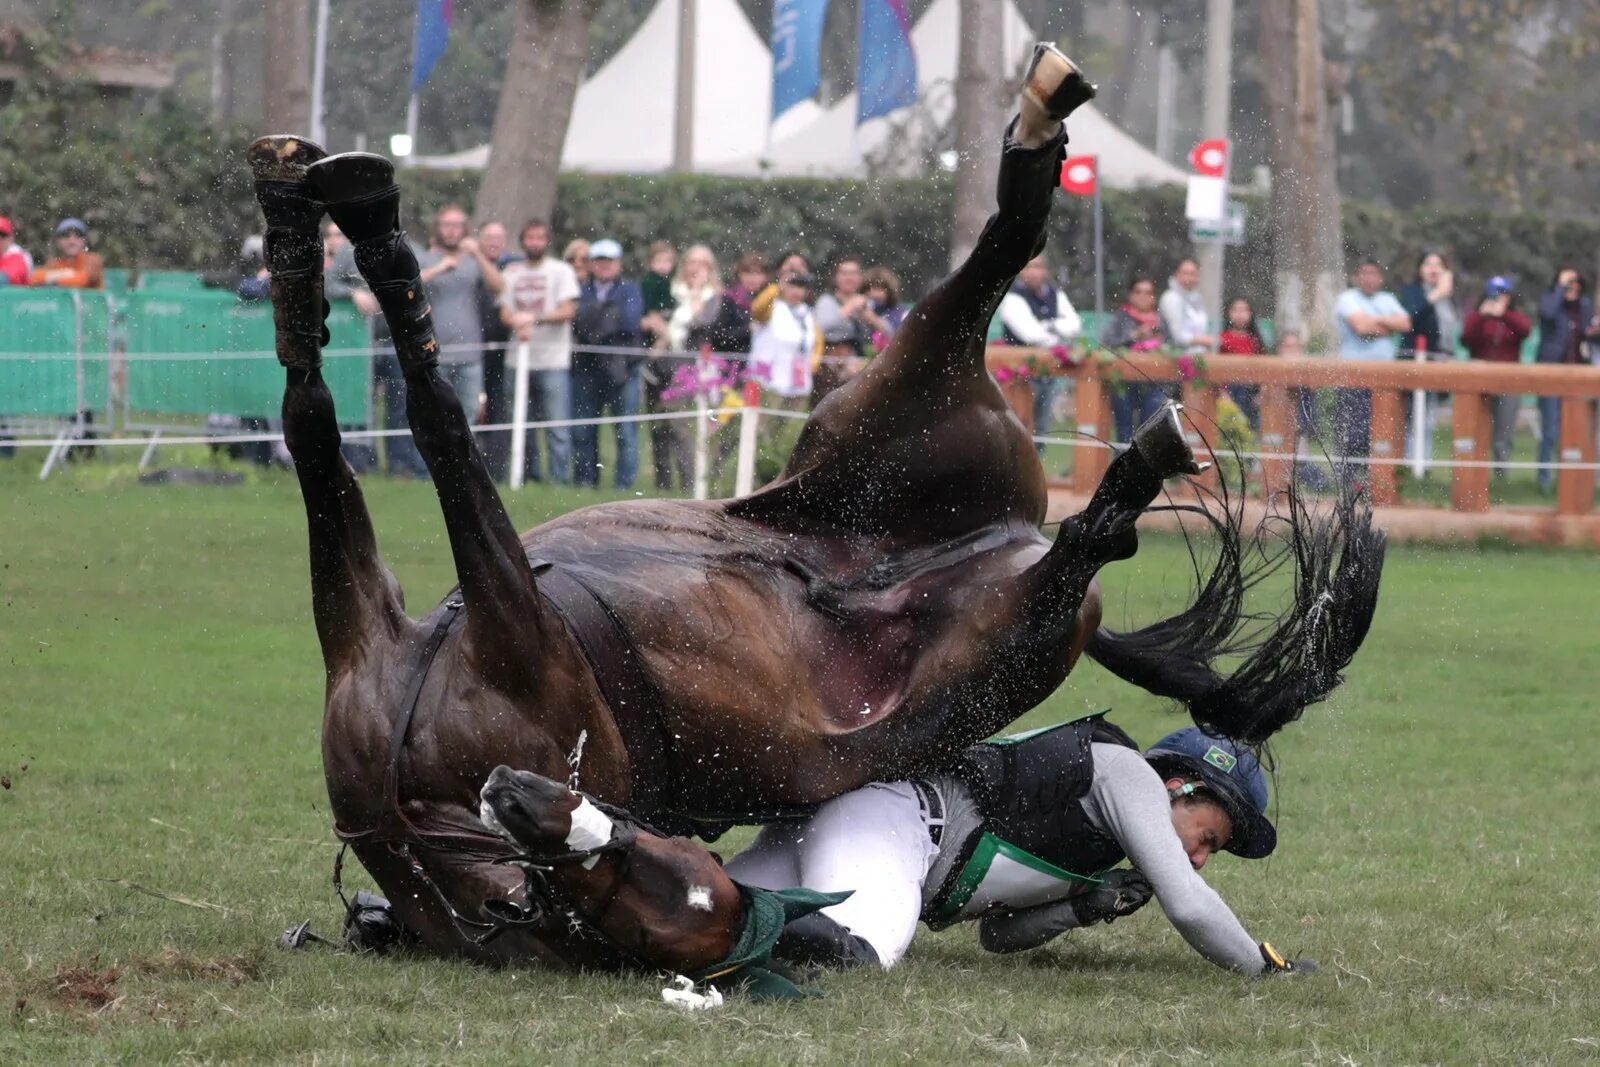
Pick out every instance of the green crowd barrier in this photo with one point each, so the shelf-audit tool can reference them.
(245, 379)
(170, 280)
(68, 330)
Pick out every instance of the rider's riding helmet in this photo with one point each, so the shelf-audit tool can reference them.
(1230, 774)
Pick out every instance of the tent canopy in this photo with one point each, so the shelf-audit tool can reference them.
(622, 119)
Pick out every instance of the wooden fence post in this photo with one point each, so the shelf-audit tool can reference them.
(1278, 435)
(1386, 439)
(1469, 434)
(1575, 488)
(1090, 458)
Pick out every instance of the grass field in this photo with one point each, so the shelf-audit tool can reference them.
(160, 681)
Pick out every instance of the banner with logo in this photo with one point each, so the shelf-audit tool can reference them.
(796, 51)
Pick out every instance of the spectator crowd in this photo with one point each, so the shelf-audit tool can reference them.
(575, 337)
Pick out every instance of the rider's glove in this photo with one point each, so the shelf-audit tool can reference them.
(1121, 893)
(1277, 963)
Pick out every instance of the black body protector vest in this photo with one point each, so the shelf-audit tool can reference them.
(1036, 844)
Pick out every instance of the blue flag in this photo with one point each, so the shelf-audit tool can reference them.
(796, 51)
(430, 40)
(886, 70)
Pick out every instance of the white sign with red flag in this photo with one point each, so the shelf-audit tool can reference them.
(1080, 175)
(1208, 185)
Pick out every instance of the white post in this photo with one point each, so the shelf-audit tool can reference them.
(1419, 419)
(744, 481)
(319, 73)
(519, 416)
(411, 123)
(702, 427)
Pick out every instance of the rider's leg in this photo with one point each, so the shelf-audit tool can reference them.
(496, 582)
(350, 588)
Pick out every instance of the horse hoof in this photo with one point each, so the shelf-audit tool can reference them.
(1161, 443)
(359, 191)
(1054, 87)
(282, 157)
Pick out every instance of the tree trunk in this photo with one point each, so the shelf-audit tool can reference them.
(981, 115)
(286, 67)
(548, 48)
(224, 42)
(1307, 230)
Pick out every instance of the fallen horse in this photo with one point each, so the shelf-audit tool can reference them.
(884, 603)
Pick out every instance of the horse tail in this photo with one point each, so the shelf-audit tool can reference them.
(1286, 661)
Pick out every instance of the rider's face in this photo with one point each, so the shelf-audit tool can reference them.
(1201, 825)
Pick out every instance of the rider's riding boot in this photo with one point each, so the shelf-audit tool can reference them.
(1157, 452)
(293, 248)
(362, 198)
(815, 940)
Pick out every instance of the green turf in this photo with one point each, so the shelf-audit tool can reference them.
(162, 684)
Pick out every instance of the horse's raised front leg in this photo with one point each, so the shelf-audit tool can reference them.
(353, 594)
(504, 613)
(666, 902)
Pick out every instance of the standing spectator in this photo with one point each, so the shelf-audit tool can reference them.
(1037, 314)
(609, 310)
(254, 280)
(452, 268)
(1241, 336)
(333, 243)
(788, 263)
(1371, 322)
(697, 300)
(1430, 301)
(883, 295)
(538, 306)
(1494, 331)
(576, 256)
(847, 320)
(1135, 327)
(14, 264)
(1183, 311)
(656, 289)
(731, 331)
(74, 266)
(1566, 320)
(785, 348)
(496, 396)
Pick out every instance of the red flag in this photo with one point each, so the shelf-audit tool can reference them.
(1080, 174)
(1210, 158)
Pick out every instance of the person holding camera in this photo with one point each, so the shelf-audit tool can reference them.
(1566, 320)
(1494, 332)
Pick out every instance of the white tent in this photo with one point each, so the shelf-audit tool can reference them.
(622, 119)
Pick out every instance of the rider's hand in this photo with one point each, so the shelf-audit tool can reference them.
(1277, 963)
(1123, 892)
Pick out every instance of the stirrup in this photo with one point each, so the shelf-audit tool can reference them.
(1054, 83)
(1161, 443)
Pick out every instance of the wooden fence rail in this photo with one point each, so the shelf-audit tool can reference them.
(1473, 387)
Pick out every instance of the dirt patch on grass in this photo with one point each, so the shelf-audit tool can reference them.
(88, 988)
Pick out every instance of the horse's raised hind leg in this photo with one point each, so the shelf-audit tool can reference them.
(496, 582)
(351, 591)
(665, 901)
(923, 436)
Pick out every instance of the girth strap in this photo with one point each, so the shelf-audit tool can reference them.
(408, 703)
(632, 696)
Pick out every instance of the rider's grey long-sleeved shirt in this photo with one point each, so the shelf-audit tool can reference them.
(1128, 801)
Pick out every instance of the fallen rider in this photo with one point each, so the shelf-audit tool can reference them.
(1025, 837)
